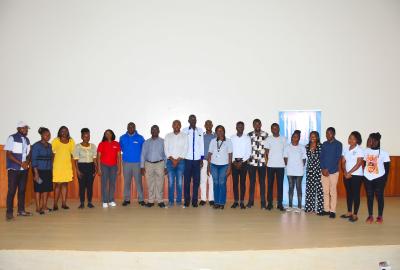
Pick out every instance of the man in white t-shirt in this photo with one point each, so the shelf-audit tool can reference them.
(275, 146)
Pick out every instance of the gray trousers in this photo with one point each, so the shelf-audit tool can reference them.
(155, 181)
(132, 169)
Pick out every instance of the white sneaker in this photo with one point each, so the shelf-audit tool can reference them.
(289, 209)
(112, 204)
(297, 210)
(105, 205)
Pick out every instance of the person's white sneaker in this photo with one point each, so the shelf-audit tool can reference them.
(112, 204)
(105, 205)
(289, 209)
(297, 210)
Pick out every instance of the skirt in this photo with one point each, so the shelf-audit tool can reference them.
(47, 184)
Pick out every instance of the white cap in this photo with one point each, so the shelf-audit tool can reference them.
(22, 124)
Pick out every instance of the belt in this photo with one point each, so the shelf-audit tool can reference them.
(154, 161)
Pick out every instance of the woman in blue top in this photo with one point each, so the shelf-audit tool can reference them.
(42, 164)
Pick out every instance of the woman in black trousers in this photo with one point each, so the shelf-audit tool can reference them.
(353, 175)
(376, 171)
(86, 167)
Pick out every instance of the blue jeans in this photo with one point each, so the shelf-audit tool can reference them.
(175, 175)
(218, 173)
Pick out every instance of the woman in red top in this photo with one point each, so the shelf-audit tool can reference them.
(109, 159)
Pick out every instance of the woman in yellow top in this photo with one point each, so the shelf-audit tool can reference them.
(63, 148)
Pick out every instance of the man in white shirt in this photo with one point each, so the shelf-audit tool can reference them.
(193, 160)
(275, 146)
(241, 144)
(205, 179)
(175, 148)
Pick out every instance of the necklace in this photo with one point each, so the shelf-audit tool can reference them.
(219, 145)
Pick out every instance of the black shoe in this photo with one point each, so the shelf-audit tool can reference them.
(187, 204)
(149, 205)
(222, 207)
(125, 203)
(323, 213)
(345, 216)
(142, 203)
(55, 208)
(90, 205)
(250, 205)
(161, 205)
(195, 205)
(81, 206)
(65, 207)
(216, 206)
(242, 206)
(202, 203)
(234, 205)
(211, 203)
(269, 207)
(332, 215)
(281, 208)
(9, 217)
(353, 219)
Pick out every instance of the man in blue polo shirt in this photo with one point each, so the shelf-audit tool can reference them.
(131, 146)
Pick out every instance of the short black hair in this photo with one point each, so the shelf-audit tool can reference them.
(275, 124)
(112, 135)
(358, 137)
(59, 132)
(256, 121)
(332, 129)
(43, 130)
(298, 132)
(376, 137)
(240, 123)
(85, 130)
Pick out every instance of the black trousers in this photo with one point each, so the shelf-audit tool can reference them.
(16, 180)
(239, 175)
(279, 173)
(192, 170)
(261, 179)
(374, 188)
(86, 181)
(353, 186)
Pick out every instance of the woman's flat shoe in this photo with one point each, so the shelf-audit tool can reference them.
(65, 207)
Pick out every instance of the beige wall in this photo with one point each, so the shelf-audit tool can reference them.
(154, 61)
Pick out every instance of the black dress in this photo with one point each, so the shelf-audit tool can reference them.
(314, 192)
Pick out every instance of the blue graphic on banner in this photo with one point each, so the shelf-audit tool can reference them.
(305, 121)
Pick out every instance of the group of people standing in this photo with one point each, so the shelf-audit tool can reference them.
(199, 159)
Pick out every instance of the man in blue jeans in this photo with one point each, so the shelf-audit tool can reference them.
(131, 146)
(193, 160)
(175, 148)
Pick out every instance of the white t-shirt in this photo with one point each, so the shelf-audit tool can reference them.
(351, 157)
(295, 155)
(375, 159)
(276, 146)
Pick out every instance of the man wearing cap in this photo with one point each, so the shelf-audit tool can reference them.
(18, 158)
